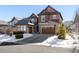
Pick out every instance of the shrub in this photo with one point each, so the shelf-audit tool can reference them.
(18, 36)
(18, 32)
(10, 34)
(62, 32)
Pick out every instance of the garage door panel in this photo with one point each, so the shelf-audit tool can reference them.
(48, 30)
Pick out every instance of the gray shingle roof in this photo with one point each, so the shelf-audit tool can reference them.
(33, 15)
(24, 21)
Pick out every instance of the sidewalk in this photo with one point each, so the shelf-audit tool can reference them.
(33, 49)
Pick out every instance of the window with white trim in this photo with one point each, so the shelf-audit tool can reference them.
(43, 18)
(33, 20)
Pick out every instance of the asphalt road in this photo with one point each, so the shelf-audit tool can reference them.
(32, 49)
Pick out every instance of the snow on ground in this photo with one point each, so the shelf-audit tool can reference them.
(1, 35)
(53, 41)
(7, 38)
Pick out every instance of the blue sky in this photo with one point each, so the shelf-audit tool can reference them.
(22, 11)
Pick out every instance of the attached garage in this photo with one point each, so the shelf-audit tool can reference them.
(48, 30)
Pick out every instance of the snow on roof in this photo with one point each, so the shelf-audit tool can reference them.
(3, 22)
(15, 18)
(30, 23)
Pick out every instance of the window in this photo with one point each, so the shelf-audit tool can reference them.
(43, 18)
(18, 28)
(24, 28)
(33, 20)
(21, 28)
(10, 23)
(53, 17)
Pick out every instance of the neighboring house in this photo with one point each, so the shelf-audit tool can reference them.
(46, 22)
(49, 20)
(3, 26)
(29, 25)
(11, 24)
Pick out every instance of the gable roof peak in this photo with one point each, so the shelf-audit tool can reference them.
(15, 18)
(52, 8)
(33, 15)
(49, 10)
(48, 6)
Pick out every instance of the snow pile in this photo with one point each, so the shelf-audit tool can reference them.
(7, 39)
(50, 40)
(53, 41)
(1, 36)
(10, 39)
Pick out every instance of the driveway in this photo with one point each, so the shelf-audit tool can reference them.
(36, 38)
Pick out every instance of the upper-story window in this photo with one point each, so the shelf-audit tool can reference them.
(53, 17)
(33, 20)
(43, 18)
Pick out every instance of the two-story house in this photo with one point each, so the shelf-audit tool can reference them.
(46, 22)
(49, 20)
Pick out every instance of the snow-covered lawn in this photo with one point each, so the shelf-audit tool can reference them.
(7, 38)
(53, 41)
